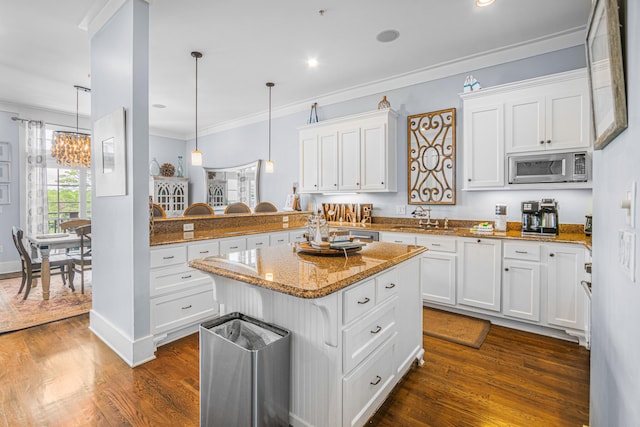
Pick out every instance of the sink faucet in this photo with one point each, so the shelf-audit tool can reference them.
(425, 217)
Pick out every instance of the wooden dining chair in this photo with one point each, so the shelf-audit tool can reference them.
(82, 260)
(158, 211)
(265, 207)
(198, 209)
(70, 227)
(32, 267)
(237, 208)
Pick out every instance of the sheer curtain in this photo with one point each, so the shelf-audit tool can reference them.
(36, 179)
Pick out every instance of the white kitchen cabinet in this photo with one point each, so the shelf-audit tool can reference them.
(565, 297)
(397, 237)
(276, 239)
(257, 241)
(553, 116)
(483, 143)
(521, 280)
(352, 153)
(233, 244)
(172, 193)
(479, 277)
(438, 269)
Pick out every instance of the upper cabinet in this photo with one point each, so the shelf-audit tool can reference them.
(353, 153)
(549, 113)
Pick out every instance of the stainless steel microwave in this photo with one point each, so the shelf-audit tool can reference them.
(546, 168)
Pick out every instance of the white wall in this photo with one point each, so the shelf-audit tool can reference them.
(249, 143)
(167, 150)
(615, 351)
(10, 214)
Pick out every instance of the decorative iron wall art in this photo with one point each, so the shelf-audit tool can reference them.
(431, 151)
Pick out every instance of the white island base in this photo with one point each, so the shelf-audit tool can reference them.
(348, 349)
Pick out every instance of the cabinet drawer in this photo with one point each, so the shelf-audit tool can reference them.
(359, 300)
(368, 385)
(232, 245)
(522, 250)
(438, 243)
(260, 241)
(171, 279)
(178, 310)
(403, 238)
(386, 285)
(298, 236)
(166, 256)
(202, 250)
(367, 334)
(279, 239)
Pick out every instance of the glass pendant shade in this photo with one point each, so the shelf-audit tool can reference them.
(196, 158)
(71, 149)
(268, 167)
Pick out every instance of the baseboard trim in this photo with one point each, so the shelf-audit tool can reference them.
(134, 353)
(10, 266)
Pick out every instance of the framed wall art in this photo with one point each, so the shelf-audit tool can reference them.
(109, 149)
(5, 172)
(605, 66)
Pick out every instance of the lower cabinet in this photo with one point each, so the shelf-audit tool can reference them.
(521, 280)
(438, 269)
(479, 280)
(565, 298)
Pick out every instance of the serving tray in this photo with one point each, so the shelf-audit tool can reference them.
(308, 249)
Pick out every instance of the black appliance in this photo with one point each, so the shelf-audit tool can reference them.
(540, 218)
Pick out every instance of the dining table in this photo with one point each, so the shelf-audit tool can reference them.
(44, 243)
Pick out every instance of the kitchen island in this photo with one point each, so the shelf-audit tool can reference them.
(356, 322)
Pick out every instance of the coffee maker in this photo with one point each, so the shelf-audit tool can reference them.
(540, 218)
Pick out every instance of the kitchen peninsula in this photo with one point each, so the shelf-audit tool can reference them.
(355, 321)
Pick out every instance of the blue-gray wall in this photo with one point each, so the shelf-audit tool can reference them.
(10, 214)
(249, 143)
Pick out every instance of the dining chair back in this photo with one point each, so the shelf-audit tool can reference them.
(265, 207)
(82, 260)
(32, 268)
(237, 207)
(158, 211)
(198, 209)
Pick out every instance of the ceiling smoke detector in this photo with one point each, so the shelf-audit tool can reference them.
(387, 36)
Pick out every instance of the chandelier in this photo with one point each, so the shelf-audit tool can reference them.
(72, 149)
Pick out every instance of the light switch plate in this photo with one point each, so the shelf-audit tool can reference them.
(187, 227)
(627, 253)
(401, 209)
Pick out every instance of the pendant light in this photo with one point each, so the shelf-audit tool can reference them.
(269, 166)
(72, 149)
(196, 155)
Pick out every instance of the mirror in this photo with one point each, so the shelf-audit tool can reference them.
(224, 186)
(432, 158)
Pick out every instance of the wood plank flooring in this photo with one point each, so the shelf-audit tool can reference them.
(60, 374)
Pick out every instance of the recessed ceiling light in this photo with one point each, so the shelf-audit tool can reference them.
(312, 62)
(159, 106)
(388, 36)
(483, 3)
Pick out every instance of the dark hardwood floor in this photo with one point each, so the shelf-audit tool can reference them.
(60, 374)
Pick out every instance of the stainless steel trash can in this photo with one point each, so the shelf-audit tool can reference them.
(244, 372)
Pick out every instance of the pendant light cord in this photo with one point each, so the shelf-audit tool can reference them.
(77, 111)
(196, 103)
(270, 122)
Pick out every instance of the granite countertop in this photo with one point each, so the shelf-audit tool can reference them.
(283, 269)
(217, 233)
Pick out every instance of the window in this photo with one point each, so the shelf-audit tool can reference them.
(68, 189)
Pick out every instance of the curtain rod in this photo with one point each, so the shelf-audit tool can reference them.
(19, 119)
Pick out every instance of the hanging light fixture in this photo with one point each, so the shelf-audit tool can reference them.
(269, 166)
(72, 149)
(196, 155)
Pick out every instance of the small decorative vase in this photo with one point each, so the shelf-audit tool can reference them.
(384, 103)
(154, 167)
(179, 171)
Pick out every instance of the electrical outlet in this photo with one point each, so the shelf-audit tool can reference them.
(401, 209)
(627, 253)
(285, 219)
(187, 227)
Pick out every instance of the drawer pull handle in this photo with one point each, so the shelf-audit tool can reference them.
(376, 330)
(233, 247)
(435, 244)
(187, 307)
(364, 301)
(390, 286)
(397, 241)
(552, 255)
(188, 276)
(259, 243)
(377, 381)
(522, 252)
(204, 252)
(168, 257)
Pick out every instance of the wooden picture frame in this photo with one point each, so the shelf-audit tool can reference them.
(605, 65)
(109, 151)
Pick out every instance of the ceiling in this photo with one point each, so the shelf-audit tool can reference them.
(246, 43)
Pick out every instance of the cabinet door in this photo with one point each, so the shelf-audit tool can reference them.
(567, 117)
(258, 241)
(521, 289)
(308, 163)
(484, 146)
(402, 238)
(328, 168)
(525, 124)
(438, 277)
(565, 296)
(479, 273)
(373, 157)
(349, 158)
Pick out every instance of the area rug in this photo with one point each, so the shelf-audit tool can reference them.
(17, 314)
(453, 327)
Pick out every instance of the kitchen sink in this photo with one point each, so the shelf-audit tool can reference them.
(409, 228)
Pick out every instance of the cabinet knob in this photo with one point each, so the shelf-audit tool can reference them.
(479, 240)
(469, 179)
(382, 183)
(506, 269)
(357, 183)
(335, 185)
(548, 141)
(552, 254)
(541, 142)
